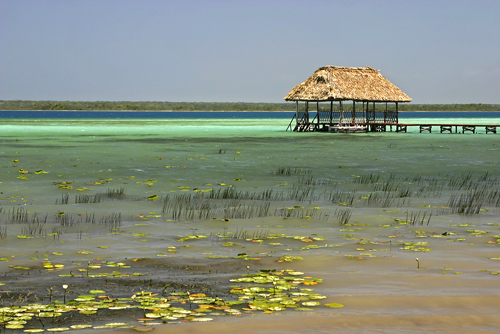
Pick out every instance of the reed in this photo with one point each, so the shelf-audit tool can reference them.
(3, 232)
(342, 196)
(301, 213)
(302, 194)
(64, 199)
(343, 215)
(418, 218)
(245, 211)
(86, 199)
(35, 226)
(65, 220)
(367, 179)
(310, 180)
(88, 218)
(112, 221)
(468, 203)
(254, 235)
(384, 200)
(18, 215)
(115, 193)
(292, 171)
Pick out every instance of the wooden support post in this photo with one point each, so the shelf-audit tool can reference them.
(397, 113)
(492, 129)
(306, 116)
(471, 128)
(317, 114)
(385, 113)
(296, 113)
(364, 114)
(353, 112)
(446, 128)
(401, 128)
(425, 128)
(331, 112)
(341, 113)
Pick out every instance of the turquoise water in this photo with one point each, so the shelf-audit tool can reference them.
(309, 182)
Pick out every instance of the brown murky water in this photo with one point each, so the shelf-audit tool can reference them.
(190, 205)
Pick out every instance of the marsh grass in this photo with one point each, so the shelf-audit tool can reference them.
(18, 215)
(292, 171)
(66, 220)
(88, 199)
(343, 215)
(301, 213)
(35, 226)
(346, 197)
(254, 235)
(197, 207)
(64, 199)
(418, 218)
(116, 193)
(112, 221)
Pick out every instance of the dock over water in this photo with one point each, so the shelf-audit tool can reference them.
(429, 127)
(394, 127)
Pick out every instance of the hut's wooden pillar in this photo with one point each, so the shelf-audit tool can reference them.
(353, 112)
(364, 113)
(317, 113)
(306, 116)
(385, 113)
(397, 113)
(341, 113)
(331, 112)
(296, 112)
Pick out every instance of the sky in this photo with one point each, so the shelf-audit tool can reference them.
(435, 51)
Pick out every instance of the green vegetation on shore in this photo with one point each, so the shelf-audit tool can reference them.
(210, 106)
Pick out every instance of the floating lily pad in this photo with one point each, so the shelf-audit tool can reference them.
(334, 305)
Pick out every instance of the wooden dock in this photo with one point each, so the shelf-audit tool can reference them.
(392, 127)
(428, 127)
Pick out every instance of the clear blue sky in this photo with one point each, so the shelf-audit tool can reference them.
(436, 51)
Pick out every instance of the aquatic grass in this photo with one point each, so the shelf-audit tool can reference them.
(418, 218)
(88, 218)
(86, 199)
(343, 215)
(64, 219)
(245, 211)
(115, 193)
(367, 179)
(18, 215)
(36, 226)
(192, 207)
(292, 171)
(342, 197)
(64, 199)
(299, 212)
(112, 221)
(260, 234)
(468, 203)
(379, 200)
(310, 180)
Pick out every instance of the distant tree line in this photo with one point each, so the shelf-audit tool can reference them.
(212, 106)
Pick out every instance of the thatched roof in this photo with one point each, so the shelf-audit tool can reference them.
(347, 83)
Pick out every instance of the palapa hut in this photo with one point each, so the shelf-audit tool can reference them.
(373, 101)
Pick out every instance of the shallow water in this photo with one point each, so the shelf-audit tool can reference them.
(312, 180)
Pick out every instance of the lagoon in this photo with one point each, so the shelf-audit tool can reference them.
(190, 202)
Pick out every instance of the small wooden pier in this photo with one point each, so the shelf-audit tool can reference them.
(427, 128)
(392, 127)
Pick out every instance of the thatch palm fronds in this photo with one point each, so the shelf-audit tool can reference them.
(335, 83)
